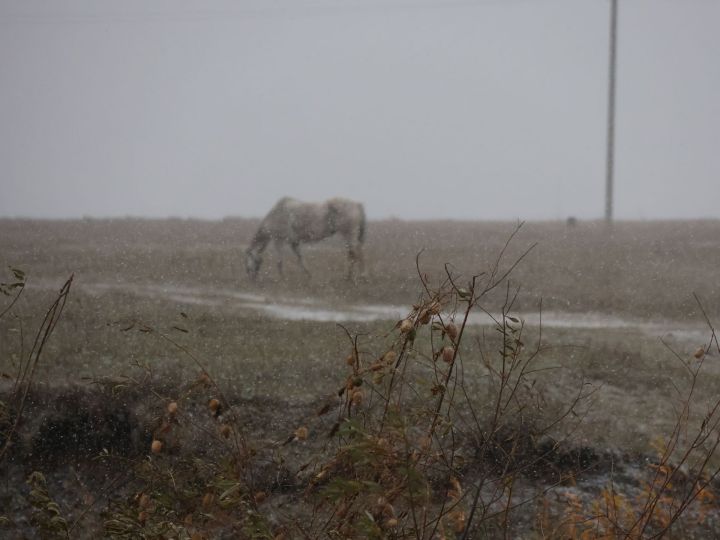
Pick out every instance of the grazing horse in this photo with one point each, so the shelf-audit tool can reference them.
(295, 222)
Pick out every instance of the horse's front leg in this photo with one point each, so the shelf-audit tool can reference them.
(296, 250)
(279, 250)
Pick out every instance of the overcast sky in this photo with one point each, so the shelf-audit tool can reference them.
(484, 109)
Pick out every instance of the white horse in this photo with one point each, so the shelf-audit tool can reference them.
(295, 222)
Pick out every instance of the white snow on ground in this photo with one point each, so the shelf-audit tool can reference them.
(313, 309)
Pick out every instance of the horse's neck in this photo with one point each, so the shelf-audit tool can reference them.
(260, 241)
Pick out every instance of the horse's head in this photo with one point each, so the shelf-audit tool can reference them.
(253, 261)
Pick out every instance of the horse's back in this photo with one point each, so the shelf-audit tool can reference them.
(295, 221)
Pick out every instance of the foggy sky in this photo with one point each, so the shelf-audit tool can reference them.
(485, 109)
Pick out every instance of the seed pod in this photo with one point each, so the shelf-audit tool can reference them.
(172, 407)
(214, 404)
(144, 500)
(699, 353)
(463, 293)
(457, 520)
(390, 357)
(342, 510)
(455, 492)
(301, 433)
(448, 354)
(424, 317)
(451, 330)
(406, 325)
(391, 522)
(357, 397)
(156, 446)
(208, 500)
(143, 517)
(204, 379)
(260, 497)
(388, 510)
(225, 430)
(350, 360)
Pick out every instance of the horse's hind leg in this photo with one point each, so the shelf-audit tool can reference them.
(356, 267)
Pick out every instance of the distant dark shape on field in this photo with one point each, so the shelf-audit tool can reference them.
(295, 222)
(571, 221)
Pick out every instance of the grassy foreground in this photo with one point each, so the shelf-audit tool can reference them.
(564, 433)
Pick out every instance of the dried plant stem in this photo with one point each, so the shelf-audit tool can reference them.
(29, 368)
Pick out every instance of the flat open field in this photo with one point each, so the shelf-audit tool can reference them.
(610, 294)
(643, 269)
(615, 301)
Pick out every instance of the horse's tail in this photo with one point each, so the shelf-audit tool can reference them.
(361, 225)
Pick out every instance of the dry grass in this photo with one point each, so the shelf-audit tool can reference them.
(642, 269)
(136, 348)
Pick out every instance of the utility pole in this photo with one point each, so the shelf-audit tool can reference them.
(610, 163)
